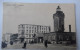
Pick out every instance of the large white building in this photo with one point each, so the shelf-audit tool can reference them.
(29, 31)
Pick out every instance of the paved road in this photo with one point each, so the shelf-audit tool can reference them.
(40, 46)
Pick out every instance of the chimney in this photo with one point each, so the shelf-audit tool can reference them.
(69, 28)
(49, 29)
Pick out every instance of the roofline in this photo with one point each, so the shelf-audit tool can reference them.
(62, 32)
(34, 25)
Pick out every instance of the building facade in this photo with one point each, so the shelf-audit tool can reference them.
(59, 36)
(27, 32)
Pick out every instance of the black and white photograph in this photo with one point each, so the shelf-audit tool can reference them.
(39, 26)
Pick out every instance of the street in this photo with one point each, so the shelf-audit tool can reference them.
(40, 46)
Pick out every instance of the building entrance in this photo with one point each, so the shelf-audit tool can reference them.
(40, 39)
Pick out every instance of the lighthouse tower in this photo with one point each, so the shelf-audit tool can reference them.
(58, 18)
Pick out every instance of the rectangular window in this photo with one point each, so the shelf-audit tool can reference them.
(29, 35)
(40, 27)
(42, 31)
(44, 28)
(27, 31)
(22, 25)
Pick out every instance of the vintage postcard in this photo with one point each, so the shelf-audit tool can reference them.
(39, 26)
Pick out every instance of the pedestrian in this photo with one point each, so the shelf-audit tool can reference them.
(45, 43)
(24, 46)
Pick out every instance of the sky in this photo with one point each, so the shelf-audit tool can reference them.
(35, 13)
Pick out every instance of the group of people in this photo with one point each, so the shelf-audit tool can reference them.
(45, 44)
(4, 44)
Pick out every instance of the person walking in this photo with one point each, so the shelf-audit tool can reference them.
(24, 46)
(45, 43)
